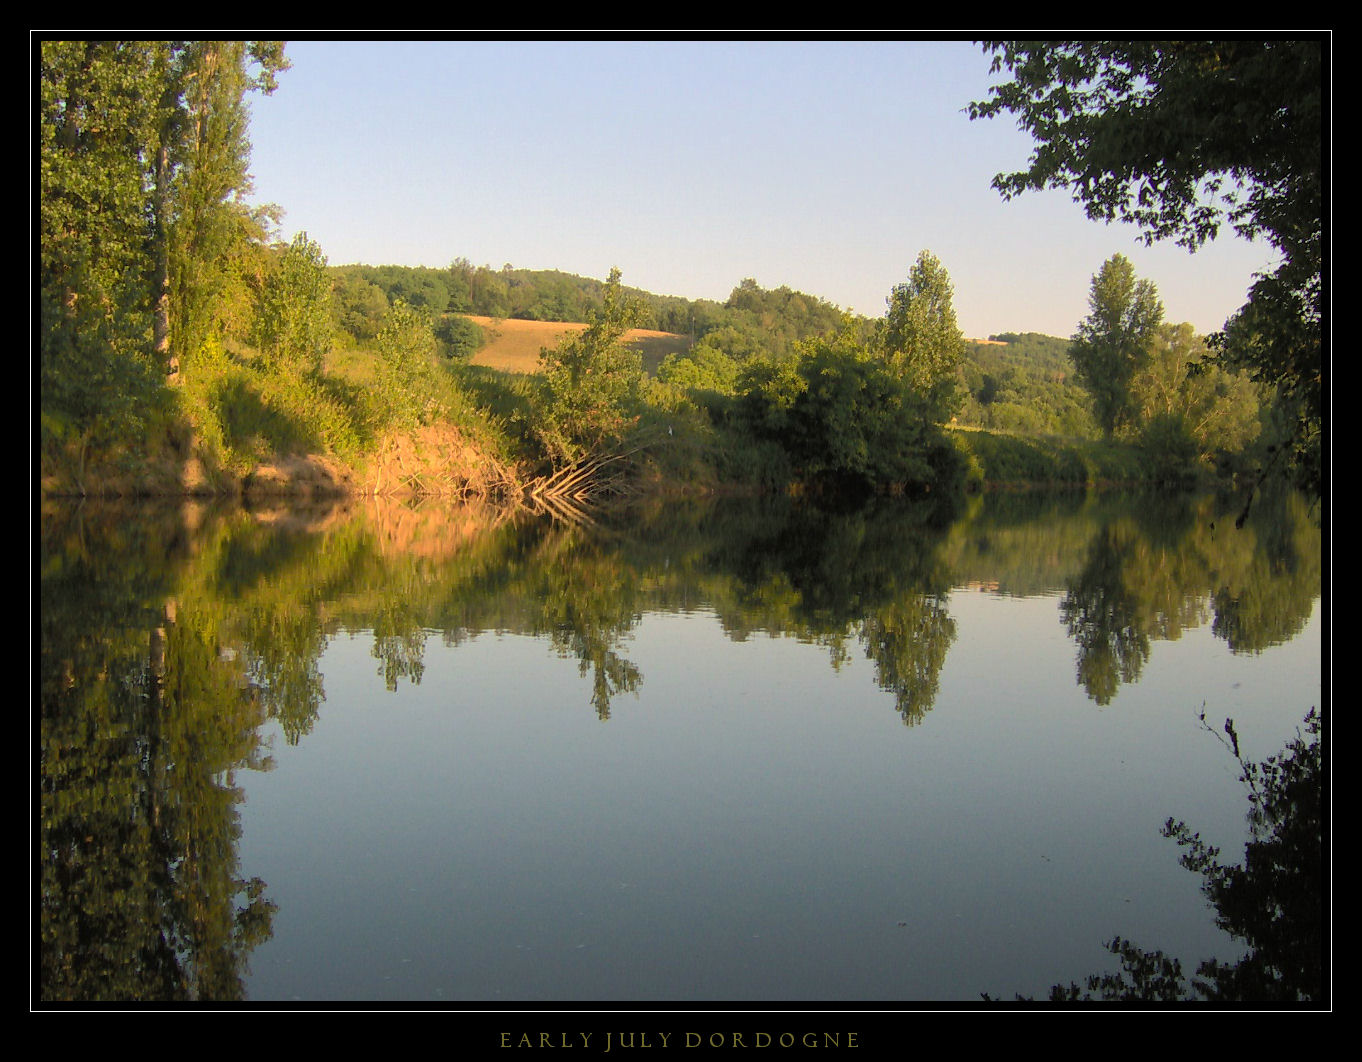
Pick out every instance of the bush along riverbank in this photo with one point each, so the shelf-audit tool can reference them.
(282, 409)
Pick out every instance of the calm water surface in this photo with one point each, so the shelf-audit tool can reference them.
(737, 752)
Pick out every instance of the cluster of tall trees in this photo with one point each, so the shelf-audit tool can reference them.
(169, 310)
(1180, 138)
(850, 398)
(1156, 381)
(153, 267)
(147, 246)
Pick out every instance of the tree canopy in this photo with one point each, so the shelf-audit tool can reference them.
(591, 381)
(1112, 343)
(921, 341)
(1179, 138)
(143, 159)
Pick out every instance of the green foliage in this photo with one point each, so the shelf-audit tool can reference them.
(705, 368)
(459, 337)
(1172, 136)
(1112, 343)
(96, 116)
(407, 391)
(358, 306)
(199, 176)
(532, 295)
(921, 342)
(840, 412)
(1218, 410)
(853, 418)
(420, 287)
(1276, 340)
(1168, 440)
(142, 160)
(1179, 137)
(1045, 353)
(1005, 459)
(771, 320)
(1024, 383)
(592, 383)
(293, 316)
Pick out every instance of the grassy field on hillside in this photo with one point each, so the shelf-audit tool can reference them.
(514, 345)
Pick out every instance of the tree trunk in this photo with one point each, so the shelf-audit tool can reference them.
(160, 324)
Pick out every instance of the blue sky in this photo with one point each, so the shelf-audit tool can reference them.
(826, 166)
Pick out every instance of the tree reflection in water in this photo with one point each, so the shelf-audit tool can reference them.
(1170, 566)
(145, 717)
(1272, 902)
(169, 639)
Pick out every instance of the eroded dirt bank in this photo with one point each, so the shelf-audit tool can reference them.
(436, 460)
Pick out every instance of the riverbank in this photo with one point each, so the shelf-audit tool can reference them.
(435, 459)
(441, 460)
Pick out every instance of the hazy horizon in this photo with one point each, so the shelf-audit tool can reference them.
(822, 166)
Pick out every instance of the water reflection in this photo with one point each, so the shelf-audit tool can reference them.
(146, 717)
(170, 636)
(1272, 902)
(1168, 567)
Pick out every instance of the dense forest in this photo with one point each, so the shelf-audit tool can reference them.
(186, 346)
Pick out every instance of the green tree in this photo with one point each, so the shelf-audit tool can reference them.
(200, 165)
(358, 305)
(855, 417)
(1112, 343)
(921, 341)
(1180, 137)
(460, 337)
(142, 159)
(407, 392)
(591, 382)
(840, 413)
(1181, 389)
(96, 116)
(705, 368)
(293, 316)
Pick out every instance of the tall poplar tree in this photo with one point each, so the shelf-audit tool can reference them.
(142, 165)
(96, 118)
(921, 342)
(1113, 342)
(202, 173)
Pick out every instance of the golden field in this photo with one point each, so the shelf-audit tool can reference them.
(513, 345)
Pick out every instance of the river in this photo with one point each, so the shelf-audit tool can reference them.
(745, 751)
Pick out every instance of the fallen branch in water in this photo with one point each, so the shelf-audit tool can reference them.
(585, 479)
